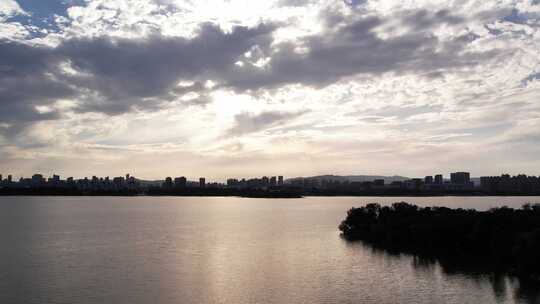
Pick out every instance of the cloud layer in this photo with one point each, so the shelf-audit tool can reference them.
(314, 86)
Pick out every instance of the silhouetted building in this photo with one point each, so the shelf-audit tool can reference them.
(460, 178)
(273, 181)
(37, 180)
(519, 184)
(180, 182)
(118, 182)
(414, 183)
(460, 183)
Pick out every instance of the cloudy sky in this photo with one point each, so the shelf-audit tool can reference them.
(221, 88)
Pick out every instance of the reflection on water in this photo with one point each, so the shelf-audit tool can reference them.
(505, 288)
(221, 250)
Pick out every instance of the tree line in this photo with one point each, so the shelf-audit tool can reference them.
(505, 239)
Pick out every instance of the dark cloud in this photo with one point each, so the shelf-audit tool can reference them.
(119, 74)
(129, 72)
(352, 47)
(27, 81)
(248, 123)
(530, 78)
(115, 75)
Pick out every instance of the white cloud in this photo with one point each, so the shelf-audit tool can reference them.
(11, 30)
(10, 8)
(452, 90)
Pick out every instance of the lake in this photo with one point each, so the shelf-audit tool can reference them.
(223, 250)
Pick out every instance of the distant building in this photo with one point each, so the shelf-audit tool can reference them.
(439, 179)
(180, 182)
(117, 181)
(202, 182)
(414, 183)
(37, 180)
(280, 180)
(428, 180)
(460, 178)
(273, 181)
(519, 184)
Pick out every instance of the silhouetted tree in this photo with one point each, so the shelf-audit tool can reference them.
(506, 238)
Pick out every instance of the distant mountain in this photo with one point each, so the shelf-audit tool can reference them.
(354, 178)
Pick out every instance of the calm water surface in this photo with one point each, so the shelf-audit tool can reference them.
(221, 250)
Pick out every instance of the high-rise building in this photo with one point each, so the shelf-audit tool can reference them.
(180, 182)
(280, 180)
(428, 180)
(273, 181)
(460, 178)
(37, 179)
(520, 184)
(439, 179)
(202, 182)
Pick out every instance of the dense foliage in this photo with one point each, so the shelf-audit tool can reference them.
(505, 238)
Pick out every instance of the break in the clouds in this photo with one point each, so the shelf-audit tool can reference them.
(265, 87)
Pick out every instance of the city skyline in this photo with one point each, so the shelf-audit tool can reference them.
(221, 88)
(460, 183)
(436, 178)
(195, 178)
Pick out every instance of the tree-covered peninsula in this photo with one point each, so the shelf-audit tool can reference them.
(504, 239)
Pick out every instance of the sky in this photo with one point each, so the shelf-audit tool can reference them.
(244, 88)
